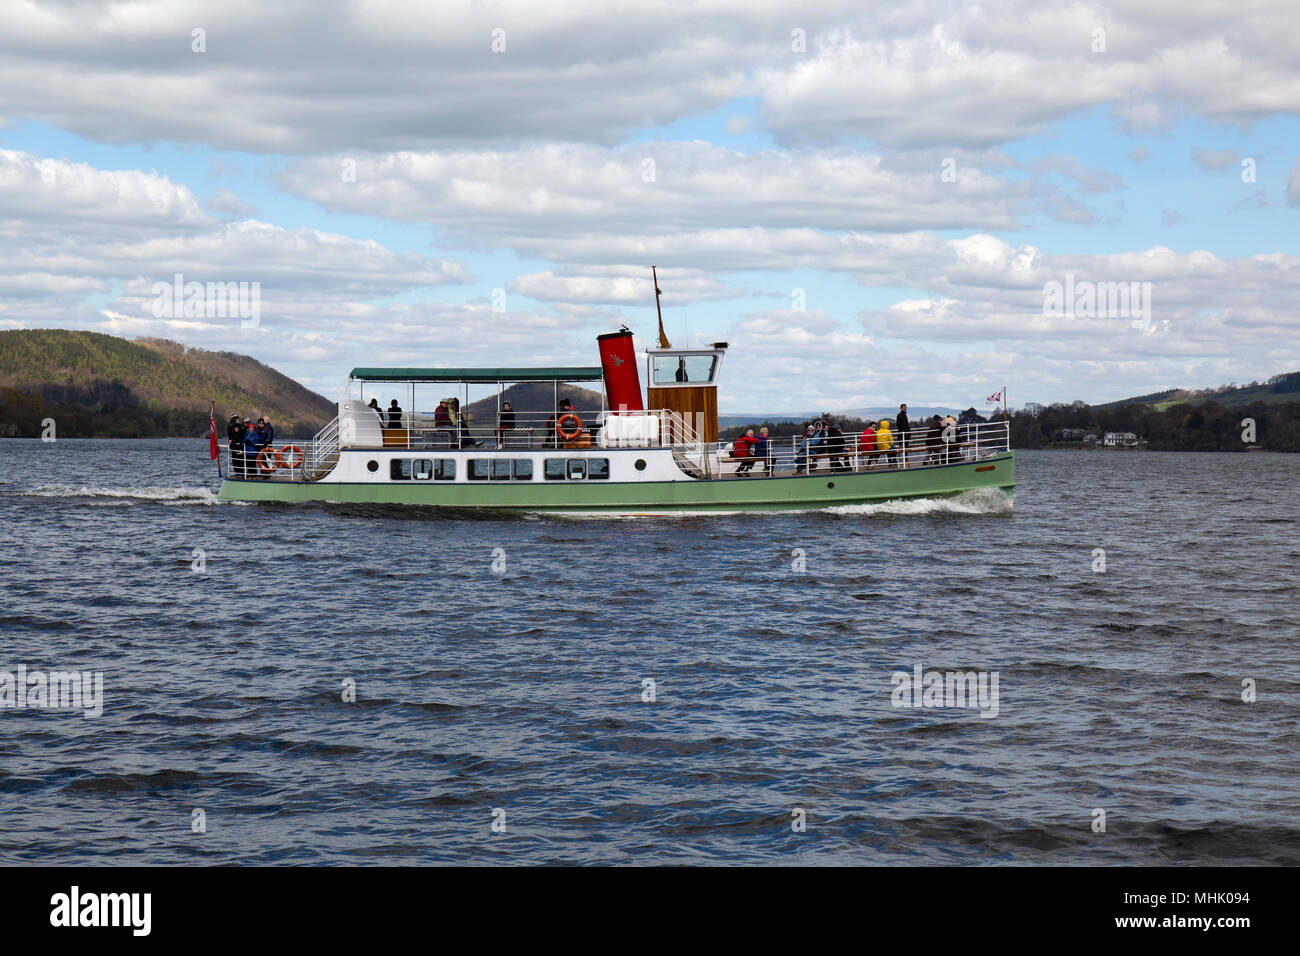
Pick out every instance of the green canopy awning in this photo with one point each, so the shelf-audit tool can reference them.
(558, 374)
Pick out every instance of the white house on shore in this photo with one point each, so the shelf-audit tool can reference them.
(1120, 440)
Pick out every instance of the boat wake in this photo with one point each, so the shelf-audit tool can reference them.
(977, 501)
(126, 496)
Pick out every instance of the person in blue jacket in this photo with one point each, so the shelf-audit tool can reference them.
(251, 447)
(813, 437)
(762, 452)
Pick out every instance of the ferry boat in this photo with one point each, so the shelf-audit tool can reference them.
(629, 457)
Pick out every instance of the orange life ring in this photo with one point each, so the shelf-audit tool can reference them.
(268, 459)
(287, 459)
(577, 426)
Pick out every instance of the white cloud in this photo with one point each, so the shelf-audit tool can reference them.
(1293, 185)
(1212, 159)
(83, 248)
(622, 285)
(55, 190)
(225, 202)
(926, 73)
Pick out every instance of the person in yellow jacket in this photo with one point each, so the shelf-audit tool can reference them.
(884, 439)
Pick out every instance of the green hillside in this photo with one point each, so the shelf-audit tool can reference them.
(1277, 390)
(532, 398)
(100, 386)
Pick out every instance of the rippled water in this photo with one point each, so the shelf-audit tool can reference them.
(522, 691)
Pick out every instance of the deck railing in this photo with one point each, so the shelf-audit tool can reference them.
(914, 448)
(655, 429)
(848, 453)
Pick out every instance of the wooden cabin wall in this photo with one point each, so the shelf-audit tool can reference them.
(698, 403)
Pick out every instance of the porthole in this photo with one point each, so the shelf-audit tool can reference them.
(830, 484)
(640, 464)
(372, 465)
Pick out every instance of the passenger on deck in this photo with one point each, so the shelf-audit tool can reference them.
(251, 449)
(948, 435)
(901, 429)
(374, 407)
(813, 436)
(801, 449)
(264, 434)
(505, 422)
(551, 438)
(835, 446)
(933, 440)
(762, 451)
(884, 440)
(442, 417)
(270, 430)
(817, 441)
(461, 423)
(235, 440)
(394, 414)
(867, 445)
(744, 450)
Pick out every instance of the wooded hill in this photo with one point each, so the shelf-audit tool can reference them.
(101, 386)
(532, 399)
(1276, 391)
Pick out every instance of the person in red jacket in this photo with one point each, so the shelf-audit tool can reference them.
(744, 448)
(867, 445)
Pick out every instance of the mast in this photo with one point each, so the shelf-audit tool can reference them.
(663, 339)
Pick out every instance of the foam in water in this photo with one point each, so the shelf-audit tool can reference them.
(977, 501)
(179, 496)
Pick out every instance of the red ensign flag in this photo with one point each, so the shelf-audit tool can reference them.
(212, 433)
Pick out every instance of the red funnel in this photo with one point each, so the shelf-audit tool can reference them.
(618, 362)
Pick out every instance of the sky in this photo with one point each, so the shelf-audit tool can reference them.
(870, 203)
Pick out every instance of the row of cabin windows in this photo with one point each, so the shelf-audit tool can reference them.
(498, 469)
(422, 469)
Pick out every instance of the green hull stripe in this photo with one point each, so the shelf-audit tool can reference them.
(731, 494)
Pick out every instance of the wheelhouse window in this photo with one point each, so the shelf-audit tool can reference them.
(683, 369)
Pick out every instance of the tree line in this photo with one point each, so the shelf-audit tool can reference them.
(101, 410)
(1182, 427)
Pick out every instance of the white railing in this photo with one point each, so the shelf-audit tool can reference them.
(310, 460)
(286, 461)
(915, 448)
(320, 450)
(698, 457)
(654, 428)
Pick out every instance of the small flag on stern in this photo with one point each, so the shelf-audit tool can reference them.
(994, 399)
(212, 433)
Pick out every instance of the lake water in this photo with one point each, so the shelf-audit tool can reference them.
(515, 696)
